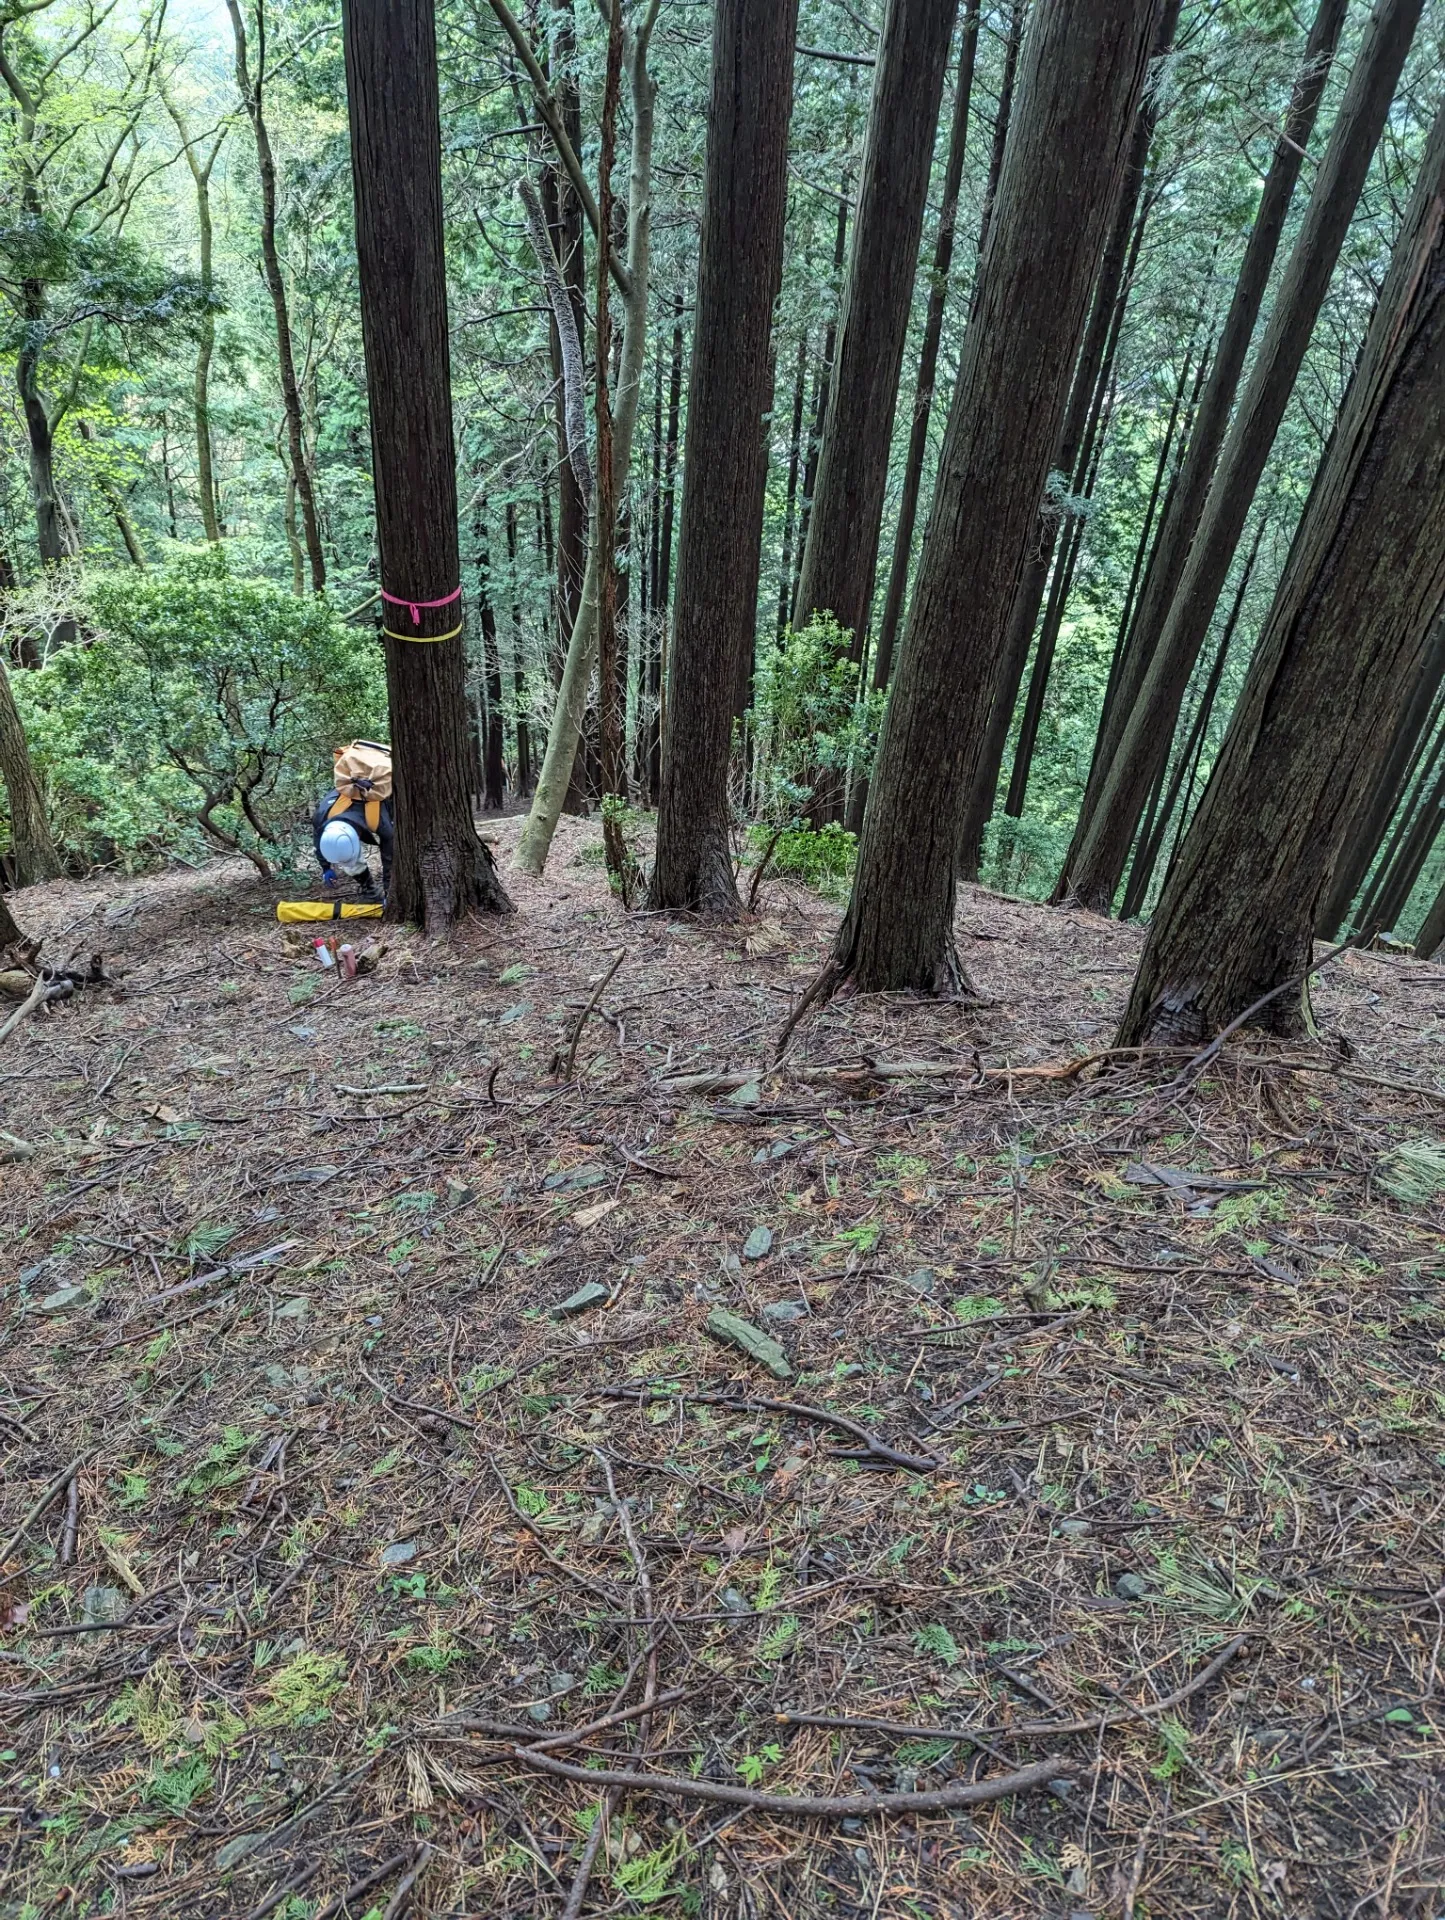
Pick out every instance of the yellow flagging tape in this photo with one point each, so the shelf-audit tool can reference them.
(425, 638)
(292, 911)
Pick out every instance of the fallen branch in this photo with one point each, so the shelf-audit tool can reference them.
(52, 1492)
(1030, 1729)
(26, 1008)
(582, 1579)
(417, 1406)
(242, 1264)
(914, 1462)
(339, 1902)
(580, 1022)
(825, 1806)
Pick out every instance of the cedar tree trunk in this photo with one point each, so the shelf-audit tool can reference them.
(441, 869)
(32, 848)
(1147, 722)
(841, 554)
(730, 391)
(1345, 642)
(1082, 76)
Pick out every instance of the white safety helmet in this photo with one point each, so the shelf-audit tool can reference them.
(341, 846)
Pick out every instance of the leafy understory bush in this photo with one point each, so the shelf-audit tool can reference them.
(197, 712)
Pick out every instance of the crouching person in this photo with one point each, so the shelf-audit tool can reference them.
(354, 815)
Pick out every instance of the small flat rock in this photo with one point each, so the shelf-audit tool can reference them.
(785, 1310)
(731, 1601)
(1131, 1586)
(759, 1244)
(102, 1606)
(540, 1711)
(747, 1095)
(922, 1280)
(752, 1340)
(398, 1553)
(513, 1014)
(295, 1309)
(1075, 1529)
(574, 1179)
(593, 1294)
(63, 1299)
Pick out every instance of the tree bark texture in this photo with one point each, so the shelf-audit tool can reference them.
(1417, 725)
(10, 934)
(441, 869)
(252, 92)
(1012, 42)
(1147, 721)
(730, 389)
(841, 554)
(1416, 845)
(1086, 395)
(822, 381)
(1428, 940)
(202, 167)
(1082, 76)
(928, 354)
(32, 848)
(795, 461)
(1346, 639)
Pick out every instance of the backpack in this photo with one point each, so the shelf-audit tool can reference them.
(363, 777)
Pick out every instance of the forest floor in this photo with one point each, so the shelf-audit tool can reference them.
(318, 1515)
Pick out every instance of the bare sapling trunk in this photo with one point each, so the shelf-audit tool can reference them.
(441, 870)
(1082, 75)
(202, 165)
(1345, 642)
(730, 392)
(1428, 940)
(1096, 862)
(252, 91)
(632, 278)
(33, 850)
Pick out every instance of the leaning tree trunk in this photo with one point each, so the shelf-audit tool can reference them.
(251, 92)
(1211, 421)
(1083, 70)
(1410, 848)
(1428, 940)
(1344, 643)
(1417, 725)
(32, 847)
(1093, 870)
(730, 391)
(441, 869)
(840, 557)
(633, 278)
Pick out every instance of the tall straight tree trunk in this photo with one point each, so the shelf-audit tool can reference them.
(633, 278)
(612, 693)
(822, 383)
(795, 459)
(1181, 521)
(33, 851)
(1082, 76)
(441, 869)
(928, 353)
(841, 554)
(1373, 911)
(565, 212)
(1345, 642)
(520, 706)
(10, 934)
(1013, 40)
(1418, 724)
(202, 166)
(1186, 769)
(729, 396)
(1090, 382)
(252, 93)
(1147, 723)
(494, 737)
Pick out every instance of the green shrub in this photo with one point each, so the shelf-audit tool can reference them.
(822, 859)
(199, 712)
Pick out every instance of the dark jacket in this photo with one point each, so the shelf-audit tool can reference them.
(355, 816)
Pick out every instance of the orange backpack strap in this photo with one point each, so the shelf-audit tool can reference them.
(341, 804)
(373, 816)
